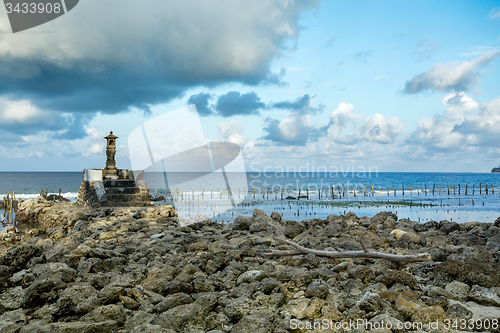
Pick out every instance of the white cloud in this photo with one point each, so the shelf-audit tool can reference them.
(451, 76)
(96, 142)
(295, 129)
(348, 127)
(465, 125)
(425, 49)
(20, 112)
(495, 13)
(379, 129)
(231, 132)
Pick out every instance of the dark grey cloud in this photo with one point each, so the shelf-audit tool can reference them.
(301, 105)
(101, 60)
(201, 101)
(234, 103)
(455, 75)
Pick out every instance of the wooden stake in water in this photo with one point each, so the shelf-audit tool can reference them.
(425, 188)
(380, 190)
(394, 189)
(410, 190)
(439, 189)
(480, 188)
(333, 194)
(473, 188)
(308, 193)
(387, 189)
(454, 189)
(418, 192)
(433, 188)
(448, 186)
(156, 193)
(465, 189)
(373, 192)
(364, 190)
(486, 187)
(459, 189)
(492, 189)
(355, 190)
(403, 186)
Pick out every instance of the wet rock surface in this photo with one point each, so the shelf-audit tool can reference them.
(126, 270)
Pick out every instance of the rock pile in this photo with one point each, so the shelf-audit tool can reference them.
(149, 271)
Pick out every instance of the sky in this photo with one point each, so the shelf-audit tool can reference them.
(409, 86)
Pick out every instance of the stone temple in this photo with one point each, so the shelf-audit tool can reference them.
(112, 187)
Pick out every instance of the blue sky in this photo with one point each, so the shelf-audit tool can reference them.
(403, 86)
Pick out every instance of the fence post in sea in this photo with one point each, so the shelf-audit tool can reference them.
(448, 186)
(282, 193)
(465, 189)
(333, 194)
(410, 190)
(480, 188)
(486, 187)
(439, 189)
(418, 192)
(156, 193)
(299, 194)
(459, 190)
(473, 188)
(364, 190)
(343, 190)
(403, 186)
(387, 189)
(308, 193)
(492, 189)
(380, 190)
(319, 194)
(425, 188)
(394, 189)
(433, 188)
(355, 190)
(373, 192)
(453, 189)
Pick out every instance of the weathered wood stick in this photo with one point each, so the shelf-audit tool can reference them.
(421, 257)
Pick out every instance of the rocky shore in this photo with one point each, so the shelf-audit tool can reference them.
(76, 269)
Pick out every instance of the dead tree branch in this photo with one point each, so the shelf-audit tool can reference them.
(421, 257)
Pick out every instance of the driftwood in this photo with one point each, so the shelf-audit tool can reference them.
(348, 254)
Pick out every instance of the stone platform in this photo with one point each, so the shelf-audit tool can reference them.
(123, 192)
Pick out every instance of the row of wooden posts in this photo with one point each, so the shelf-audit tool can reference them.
(9, 207)
(181, 195)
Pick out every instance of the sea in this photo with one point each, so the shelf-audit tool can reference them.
(419, 196)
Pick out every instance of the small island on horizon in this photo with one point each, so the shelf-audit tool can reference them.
(497, 169)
